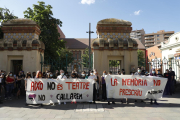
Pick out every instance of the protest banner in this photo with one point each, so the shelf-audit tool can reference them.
(54, 91)
(135, 86)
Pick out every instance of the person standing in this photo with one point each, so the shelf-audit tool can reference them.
(168, 89)
(1, 79)
(50, 75)
(57, 73)
(94, 77)
(103, 86)
(159, 73)
(34, 75)
(4, 83)
(110, 99)
(39, 74)
(97, 84)
(83, 75)
(10, 84)
(153, 73)
(61, 76)
(139, 72)
(18, 83)
(123, 71)
(173, 80)
(28, 75)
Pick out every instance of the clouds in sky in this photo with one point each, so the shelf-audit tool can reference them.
(87, 2)
(137, 12)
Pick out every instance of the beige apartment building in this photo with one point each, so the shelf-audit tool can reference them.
(152, 39)
(138, 34)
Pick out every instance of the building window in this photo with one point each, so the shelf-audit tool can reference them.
(157, 38)
(157, 35)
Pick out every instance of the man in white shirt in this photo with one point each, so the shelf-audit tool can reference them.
(61, 76)
(94, 77)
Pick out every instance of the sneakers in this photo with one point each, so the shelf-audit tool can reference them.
(113, 102)
(65, 103)
(59, 103)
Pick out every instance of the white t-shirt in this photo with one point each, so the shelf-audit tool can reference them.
(61, 77)
(92, 77)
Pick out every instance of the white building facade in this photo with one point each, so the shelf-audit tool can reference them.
(170, 55)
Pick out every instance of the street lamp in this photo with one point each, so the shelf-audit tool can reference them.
(89, 44)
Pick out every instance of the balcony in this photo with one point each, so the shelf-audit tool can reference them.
(138, 33)
(149, 41)
(149, 37)
(149, 44)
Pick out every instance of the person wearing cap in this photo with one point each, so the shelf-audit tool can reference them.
(172, 73)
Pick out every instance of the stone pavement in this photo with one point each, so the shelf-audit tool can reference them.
(168, 109)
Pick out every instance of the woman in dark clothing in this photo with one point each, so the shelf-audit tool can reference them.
(20, 77)
(169, 82)
(74, 75)
(153, 73)
(103, 85)
(98, 84)
(34, 75)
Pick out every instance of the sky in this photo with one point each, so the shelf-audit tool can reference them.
(151, 15)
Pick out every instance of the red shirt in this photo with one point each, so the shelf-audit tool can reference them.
(9, 79)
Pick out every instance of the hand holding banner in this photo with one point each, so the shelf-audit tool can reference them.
(52, 90)
(134, 86)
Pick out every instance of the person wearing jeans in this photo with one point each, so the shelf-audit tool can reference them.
(9, 84)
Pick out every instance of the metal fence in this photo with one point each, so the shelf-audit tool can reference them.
(163, 64)
(66, 65)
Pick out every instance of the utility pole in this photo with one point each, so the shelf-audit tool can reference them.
(90, 45)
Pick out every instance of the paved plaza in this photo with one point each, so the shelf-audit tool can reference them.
(168, 109)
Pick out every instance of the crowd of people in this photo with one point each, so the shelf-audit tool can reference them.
(15, 85)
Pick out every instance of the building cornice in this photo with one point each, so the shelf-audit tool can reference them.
(170, 46)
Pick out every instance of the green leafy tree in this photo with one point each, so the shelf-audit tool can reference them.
(5, 15)
(141, 59)
(43, 15)
(85, 58)
(114, 63)
(65, 55)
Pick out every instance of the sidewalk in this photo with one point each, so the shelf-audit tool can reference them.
(168, 109)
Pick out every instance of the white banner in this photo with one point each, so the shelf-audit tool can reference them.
(135, 86)
(55, 91)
